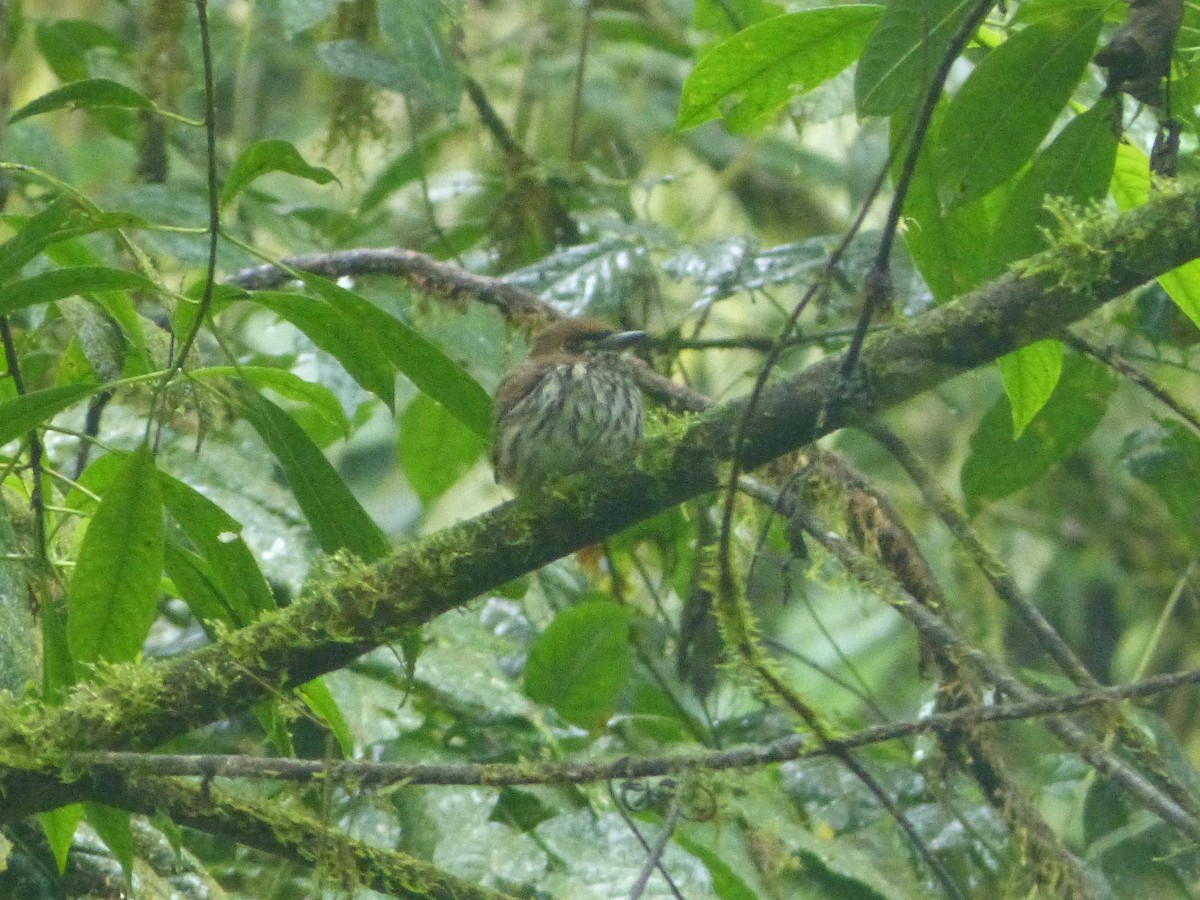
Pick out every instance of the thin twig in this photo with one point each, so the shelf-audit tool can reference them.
(786, 749)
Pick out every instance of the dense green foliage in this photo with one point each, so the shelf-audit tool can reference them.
(192, 443)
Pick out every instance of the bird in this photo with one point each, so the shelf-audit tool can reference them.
(573, 403)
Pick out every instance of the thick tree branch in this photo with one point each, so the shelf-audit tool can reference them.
(138, 707)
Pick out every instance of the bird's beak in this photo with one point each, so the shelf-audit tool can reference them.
(622, 340)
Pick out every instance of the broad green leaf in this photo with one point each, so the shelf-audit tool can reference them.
(903, 52)
(337, 519)
(435, 448)
(1183, 286)
(59, 825)
(339, 334)
(1029, 376)
(415, 356)
(1131, 177)
(270, 156)
(113, 827)
(1130, 188)
(580, 663)
(1008, 104)
(948, 246)
(21, 414)
(58, 283)
(751, 74)
(113, 595)
(90, 93)
(1167, 458)
(217, 538)
(999, 465)
(1078, 165)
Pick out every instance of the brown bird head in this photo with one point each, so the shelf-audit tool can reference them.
(582, 337)
(573, 403)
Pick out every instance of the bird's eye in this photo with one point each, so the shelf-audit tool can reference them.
(582, 343)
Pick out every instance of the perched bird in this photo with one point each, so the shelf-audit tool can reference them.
(573, 403)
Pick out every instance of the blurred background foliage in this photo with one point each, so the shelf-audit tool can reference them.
(538, 141)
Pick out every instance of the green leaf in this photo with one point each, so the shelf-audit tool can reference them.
(999, 465)
(60, 220)
(29, 411)
(756, 71)
(903, 52)
(1131, 177)
(90, 93)
(113, 595)
(337, 519)
(113, 827)
(77, 280)
(435, 448)
(217, 538)
(270, 156)
(1029, 376)
(1078, 164)
(580, 664)
(59, 825)
(116, 303)
(1008, 104)
(321, 702)
(196, 584)
(35, 233)
(1130, 188)
(316, 397)
(1167, 458)
(341, 335)
(415, 356)
(948, 246)
(727, 884)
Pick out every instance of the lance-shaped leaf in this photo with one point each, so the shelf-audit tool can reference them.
(336, 517)
(270, 156)
(751, 74)
(1009, 103)
(91, 93)
(113, 596)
